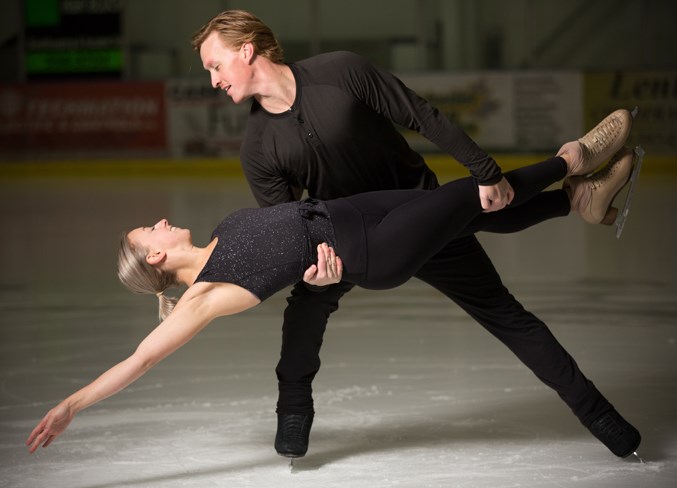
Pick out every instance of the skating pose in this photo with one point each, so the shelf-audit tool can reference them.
(383, 238)
(327, 124)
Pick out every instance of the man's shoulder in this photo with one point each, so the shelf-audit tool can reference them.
(335, 61)
(331, 56)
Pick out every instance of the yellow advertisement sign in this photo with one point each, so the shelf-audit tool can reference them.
(655, 95)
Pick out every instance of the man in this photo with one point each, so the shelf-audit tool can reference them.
(325, 124)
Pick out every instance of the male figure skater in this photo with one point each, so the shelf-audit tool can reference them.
(325, 124)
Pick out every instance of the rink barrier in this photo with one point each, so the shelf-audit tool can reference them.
(229, 168)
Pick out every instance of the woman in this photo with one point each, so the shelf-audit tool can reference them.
(382, 238)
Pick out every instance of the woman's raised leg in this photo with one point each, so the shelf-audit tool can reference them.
(405, 228)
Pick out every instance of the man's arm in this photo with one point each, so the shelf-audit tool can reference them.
(386, 94)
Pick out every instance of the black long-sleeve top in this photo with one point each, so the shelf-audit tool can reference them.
(338, 138)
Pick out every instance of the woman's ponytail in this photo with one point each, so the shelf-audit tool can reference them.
(166, 303)
(140, 277)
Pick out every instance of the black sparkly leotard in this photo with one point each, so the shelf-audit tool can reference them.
(266, 249)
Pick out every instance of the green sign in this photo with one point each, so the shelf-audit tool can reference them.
(100, 61)
(40, 13)
(73, 39)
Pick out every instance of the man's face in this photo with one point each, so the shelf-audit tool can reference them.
(229, 68)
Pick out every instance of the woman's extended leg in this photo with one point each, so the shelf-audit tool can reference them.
(405, 228)
(544, 206)
(590, 197)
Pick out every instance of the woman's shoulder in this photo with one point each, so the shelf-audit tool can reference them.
(219, 298)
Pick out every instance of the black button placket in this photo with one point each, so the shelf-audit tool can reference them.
(307, 131)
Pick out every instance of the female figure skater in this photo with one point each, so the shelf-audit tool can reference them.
(382, 238)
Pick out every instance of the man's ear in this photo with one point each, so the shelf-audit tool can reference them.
(248, 52)
(156, 257)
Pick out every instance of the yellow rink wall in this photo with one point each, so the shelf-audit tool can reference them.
(444, 166)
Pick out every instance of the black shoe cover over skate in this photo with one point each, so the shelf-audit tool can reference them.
(293, 431)
(616, 433)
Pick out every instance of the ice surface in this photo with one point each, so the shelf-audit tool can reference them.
(411, 392)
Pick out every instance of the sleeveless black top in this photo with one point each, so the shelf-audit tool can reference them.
(264, 250)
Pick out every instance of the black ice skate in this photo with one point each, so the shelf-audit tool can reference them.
(293, 431)
(616, 433)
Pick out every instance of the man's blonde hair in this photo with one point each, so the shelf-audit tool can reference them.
(237, 27)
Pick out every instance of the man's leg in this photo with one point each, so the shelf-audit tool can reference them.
(305, 320)
(464, 273)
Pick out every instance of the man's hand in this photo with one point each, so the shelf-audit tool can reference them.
(328, 270)
(495, 197)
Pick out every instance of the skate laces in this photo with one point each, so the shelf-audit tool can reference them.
(606, 173)
(601, 177)
(601, 136)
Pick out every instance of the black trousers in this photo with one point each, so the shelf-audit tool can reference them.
(439, 247)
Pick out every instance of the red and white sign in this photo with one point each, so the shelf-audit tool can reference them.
(108, 117)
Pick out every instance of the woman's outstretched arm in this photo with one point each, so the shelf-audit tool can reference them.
(200, 304)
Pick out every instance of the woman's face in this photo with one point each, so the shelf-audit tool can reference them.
(229, 68)
(160, 237)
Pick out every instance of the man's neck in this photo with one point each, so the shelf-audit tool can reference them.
(278, 91)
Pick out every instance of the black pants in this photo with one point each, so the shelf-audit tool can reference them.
(439, 248)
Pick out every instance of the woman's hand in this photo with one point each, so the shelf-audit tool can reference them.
(53, 424)
(329, 268)
(198, 306)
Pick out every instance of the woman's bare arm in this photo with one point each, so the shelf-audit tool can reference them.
(200, 304)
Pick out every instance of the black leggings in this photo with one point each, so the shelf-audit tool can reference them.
(405, 228)
(444, 219)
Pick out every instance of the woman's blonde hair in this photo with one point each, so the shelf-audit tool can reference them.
(237, 27)
(140, 277)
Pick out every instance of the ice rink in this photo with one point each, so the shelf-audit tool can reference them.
(412, 393)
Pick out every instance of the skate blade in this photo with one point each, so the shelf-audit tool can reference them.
(634, 112)
(623, 214)
(637, 457)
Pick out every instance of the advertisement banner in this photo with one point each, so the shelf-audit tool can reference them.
(203, 122)
(654, 93)
(505, 111)
(83, 118)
